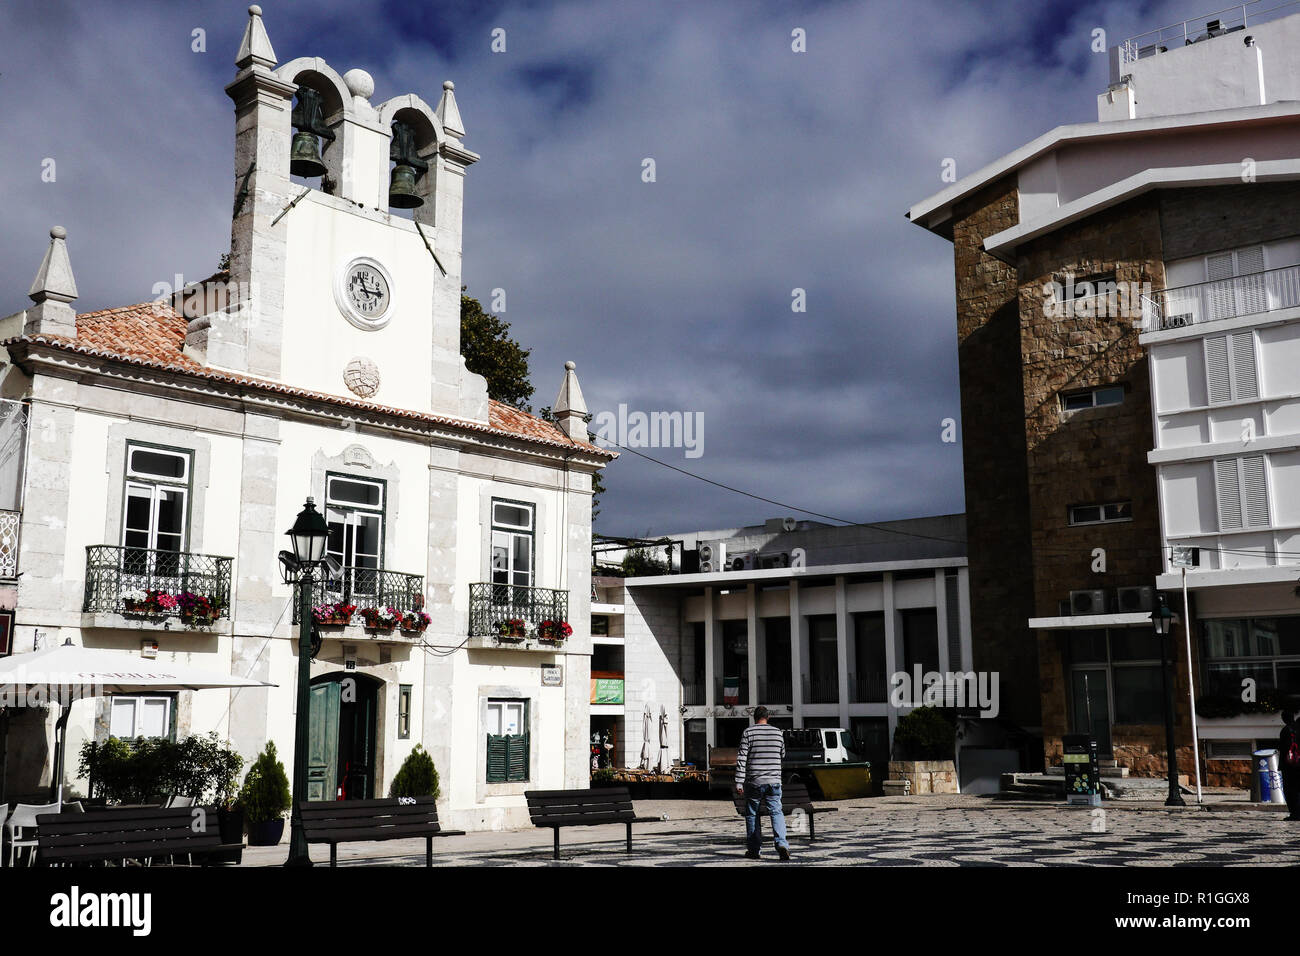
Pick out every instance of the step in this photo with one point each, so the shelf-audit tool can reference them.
(1113, 770)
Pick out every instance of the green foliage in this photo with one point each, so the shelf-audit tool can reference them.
(604, 777)
(265, 794)
(417, 777)
(640, 562)
(926, 733)
(199, 766)
(1231, 705)
(489, 351)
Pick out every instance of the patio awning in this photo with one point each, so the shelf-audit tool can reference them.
(1076, 621)
(68, 670)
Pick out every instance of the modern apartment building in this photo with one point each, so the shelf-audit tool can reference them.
(1177, 207)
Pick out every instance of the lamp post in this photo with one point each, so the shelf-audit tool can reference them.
(1161, 619)
(307, 536)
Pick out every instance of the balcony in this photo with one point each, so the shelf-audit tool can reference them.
(869, 688)
(366, 587)
(156, 586)
(1252, 294)
(775, 690)
(693, 694)
(742, 690)
(821, 691)
(492, 608)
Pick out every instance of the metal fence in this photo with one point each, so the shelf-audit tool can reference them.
(365, 587)
(491, 604)
(775, 690)
(868, 688)
(1204, 27)
(9, 522)
(114, 570)
(821, 691)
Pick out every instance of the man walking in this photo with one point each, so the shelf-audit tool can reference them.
(758, 777)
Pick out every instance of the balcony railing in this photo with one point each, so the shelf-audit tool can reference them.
(868, 688)
(821, 691)
(719, 690)
(775, 690)
(9, 521)
(1204, 27)
(693, 695)
(1222, 299)
(366, 587)
(113, 571)
(491, 604)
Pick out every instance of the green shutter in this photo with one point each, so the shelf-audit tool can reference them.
(517, 762)
(497, 748)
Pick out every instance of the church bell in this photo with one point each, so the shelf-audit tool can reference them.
(304, 157)
(308, 120)
(407, 171)
(401, 189)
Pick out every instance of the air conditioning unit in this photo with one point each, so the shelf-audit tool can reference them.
(713, 557)
(1141, 598)
(1088, 602)
(743, 562)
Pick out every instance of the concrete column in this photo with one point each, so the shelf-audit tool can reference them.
(576, 577)
(798, 651)
(751, 641)
(842, 649)
(437, 721)
(941, 619)
(710, 642)
(892, 655)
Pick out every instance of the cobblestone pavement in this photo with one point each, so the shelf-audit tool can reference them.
(954, 832)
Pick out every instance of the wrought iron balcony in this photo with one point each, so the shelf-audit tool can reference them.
(821, 691)
(117, 577)
(491, 604)
(693, 694)
(775, 690)
(869, 688)
(9, 522)
(1250, 294)
(365, 587)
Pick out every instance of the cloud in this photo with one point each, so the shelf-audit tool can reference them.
(775, 171)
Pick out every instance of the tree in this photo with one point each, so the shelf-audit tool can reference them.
(490, 351)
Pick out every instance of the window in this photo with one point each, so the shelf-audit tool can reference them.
(599, 625)
(1229, 749)
(1072, 289)
(920, 640)
(1092, 398)
(507, 741)
(354, 511)
(1241, 490)
(1230, 368)
(132, 717)
(1100, 514)
(1265, 650)
(404, 712)
(1123, 685)
(512, 543)
(156, 507)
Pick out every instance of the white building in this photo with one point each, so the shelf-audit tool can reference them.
(170, 444)
(808, 619)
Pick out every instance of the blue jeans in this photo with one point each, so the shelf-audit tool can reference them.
(769, 796)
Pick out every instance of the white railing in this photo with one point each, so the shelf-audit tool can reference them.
(1223, 299)
(9, 523)
(1228, 20)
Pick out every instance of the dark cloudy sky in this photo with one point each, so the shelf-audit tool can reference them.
(775, 170)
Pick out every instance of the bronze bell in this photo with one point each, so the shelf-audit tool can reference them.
(401, 189)
(304, 156)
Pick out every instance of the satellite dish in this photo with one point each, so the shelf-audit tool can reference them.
(789, 524)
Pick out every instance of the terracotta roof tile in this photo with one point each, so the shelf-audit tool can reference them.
(152, 334)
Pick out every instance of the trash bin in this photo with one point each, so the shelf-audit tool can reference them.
(1266, 785)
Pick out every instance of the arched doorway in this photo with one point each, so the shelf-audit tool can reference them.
(341, 739)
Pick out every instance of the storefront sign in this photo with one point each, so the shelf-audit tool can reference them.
(607, 690)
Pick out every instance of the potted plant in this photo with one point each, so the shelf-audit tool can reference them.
(511, 630)
(417, 777)
(265, 798)
(134, 600)
(553, 632)
(415, 622)
(334, 614)
(381, 619)
(195, 609)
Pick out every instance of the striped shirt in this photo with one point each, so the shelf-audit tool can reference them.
(758, 759)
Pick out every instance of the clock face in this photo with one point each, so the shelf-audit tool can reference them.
(367, 291)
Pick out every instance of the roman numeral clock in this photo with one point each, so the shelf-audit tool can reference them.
(364, 293)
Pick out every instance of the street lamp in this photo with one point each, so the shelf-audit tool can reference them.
(307, 536)
(1161, 619)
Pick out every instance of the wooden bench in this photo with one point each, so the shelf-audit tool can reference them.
(794, 796)
(583, 808)
(363, 821)
(101, 836)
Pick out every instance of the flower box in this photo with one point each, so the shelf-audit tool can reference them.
(333, 614)
(196, 609)
(553, 632)
(512, 630)
(414, 622)
(377, 619)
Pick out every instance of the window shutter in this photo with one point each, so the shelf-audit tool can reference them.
(1244, 381)
(1256, 487)
(1252, 293)
(517, 757)
(497, 748)
(1228, 490)
(1221, 300)
(1216, 369)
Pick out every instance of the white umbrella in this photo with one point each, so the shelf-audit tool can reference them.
(645, 739)
(663, 739)
(60, 675)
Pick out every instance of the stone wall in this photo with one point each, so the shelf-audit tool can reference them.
(926, 776)
(993, 449)
(1203, 220)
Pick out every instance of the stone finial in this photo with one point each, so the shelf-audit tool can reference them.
(359, 83)
(52, 291)
(449, 112)
(570, 409)
(256, 46)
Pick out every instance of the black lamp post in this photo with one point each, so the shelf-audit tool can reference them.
(1161, 619)
(308, 536)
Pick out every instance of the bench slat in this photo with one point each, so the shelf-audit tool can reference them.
(352, 823)
(364, 834)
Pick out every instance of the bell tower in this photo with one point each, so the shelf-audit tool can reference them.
(332, 287)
